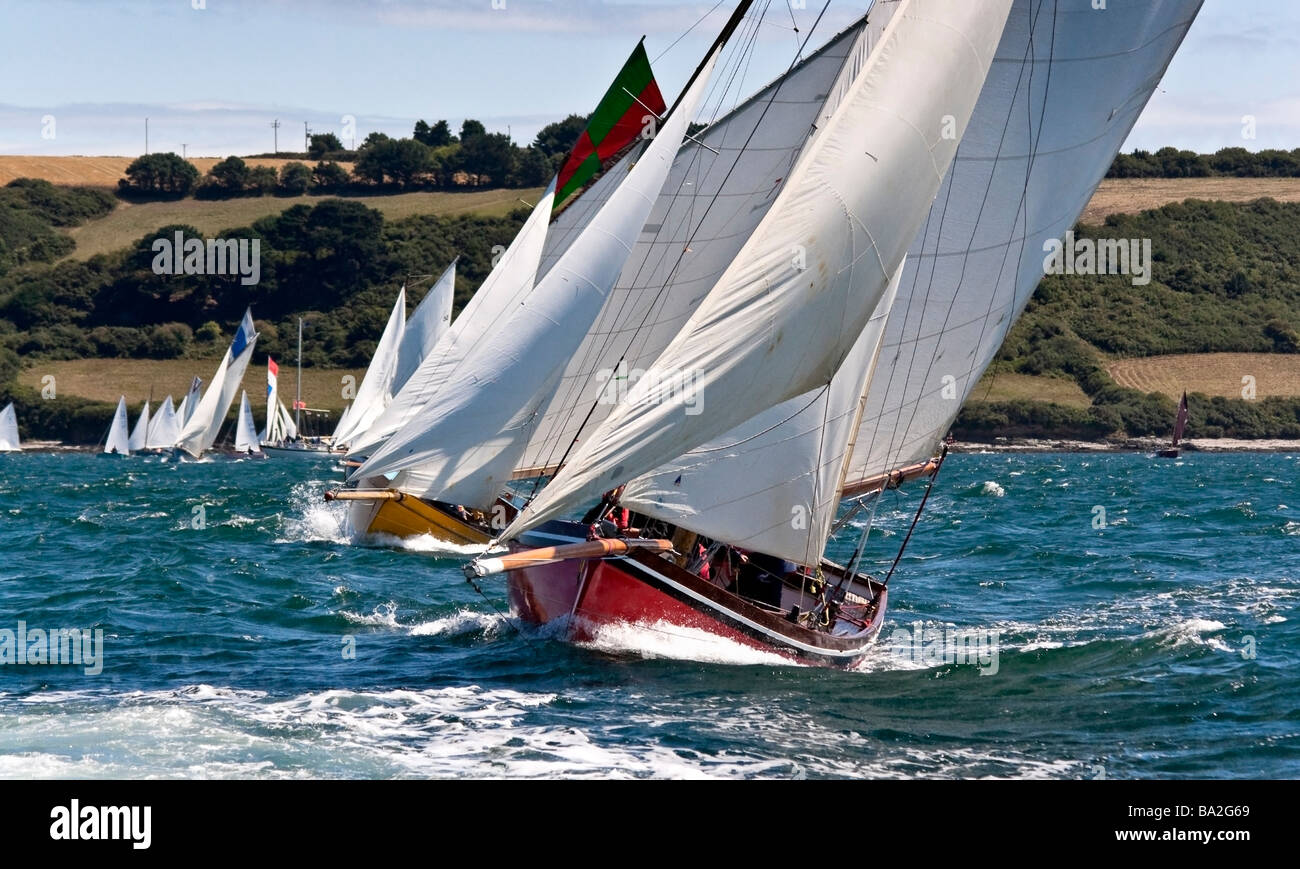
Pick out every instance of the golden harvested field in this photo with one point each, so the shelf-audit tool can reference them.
(106, 379)
(1276, 374)
(99, 171)
(129, 222)
(1011, 387)
(1131, 195)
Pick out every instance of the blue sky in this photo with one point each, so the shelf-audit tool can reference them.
(215, 77)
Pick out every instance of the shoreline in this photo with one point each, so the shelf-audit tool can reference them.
(1126, 445)
(998, 445)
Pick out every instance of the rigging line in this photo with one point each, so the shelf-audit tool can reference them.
(688, 30)
(915, 519)
(713, 200)
(738, 49)
(505, 618)
(898, 437)
(1024, 193)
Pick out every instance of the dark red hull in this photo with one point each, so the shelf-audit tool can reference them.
(645, 589)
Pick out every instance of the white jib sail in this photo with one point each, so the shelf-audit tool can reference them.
(119, 440)
(200, 433)
(246, 430)
(714, 198)
(164, 427)
(430, 321)
(501, 293)
(788, 310)
(466, 444)
(773, 484)
(376, 390)
(1067, 85)
(286, 423)
(190, 403)
(9, 442)
(140, 434)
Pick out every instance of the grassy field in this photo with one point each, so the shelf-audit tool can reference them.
(1131, 195)
(100, 171)
(106, 379)
(129, 222)
(1276, 374)
(1013, 387)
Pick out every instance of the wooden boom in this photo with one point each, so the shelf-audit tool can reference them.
(372, 495)
(550, 554)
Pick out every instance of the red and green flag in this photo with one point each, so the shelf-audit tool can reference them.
(617, 121)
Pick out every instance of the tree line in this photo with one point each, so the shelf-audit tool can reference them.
(431, 158)
(1226, 162)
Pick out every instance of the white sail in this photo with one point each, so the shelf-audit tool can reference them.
(118, 441)
(430, 322)
(286, 424)
(500, 294)
(773, 484)
(245, 429)
(376, 390)
(190, 402)
(9, 442)
(140, 434)
(164, 427)
(1068, 83)
(788, 310)
(714, 198)
(200, 433)
(469, 440)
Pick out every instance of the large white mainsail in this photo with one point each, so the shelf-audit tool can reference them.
(773, 484)
(140, 434)
(246, 440)
(9, 442)
(718, 191)
(500, 293)
(118, 441)
(1067, 85)
(200, 433)
(429, 323)
(788, 310)
(376, 390)
(474, 434)
(164, 427)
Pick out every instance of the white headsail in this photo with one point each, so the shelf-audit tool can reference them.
(718, 191)
(430, 321)
(473, 435)
(772, 484)
(246, 440)
(1067, 85)
(200, 433)
(190, 402)
(376, 390)
(140, 434)
(500, 294)
(118, 440)
(9, 442)
(164, 427)
(787, 312)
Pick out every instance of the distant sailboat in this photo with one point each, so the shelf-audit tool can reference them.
(140, 434)
(246, 440)
(281, 434)
(190, 402)
(1180, 425)
(200, 433)
(164, 427)
(118, 441)
(9, 442)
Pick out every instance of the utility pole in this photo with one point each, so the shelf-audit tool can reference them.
(306, 136)
(275, 125)
(146, 136)
(183, 147)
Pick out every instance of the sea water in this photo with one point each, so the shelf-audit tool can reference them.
(1144, 613)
